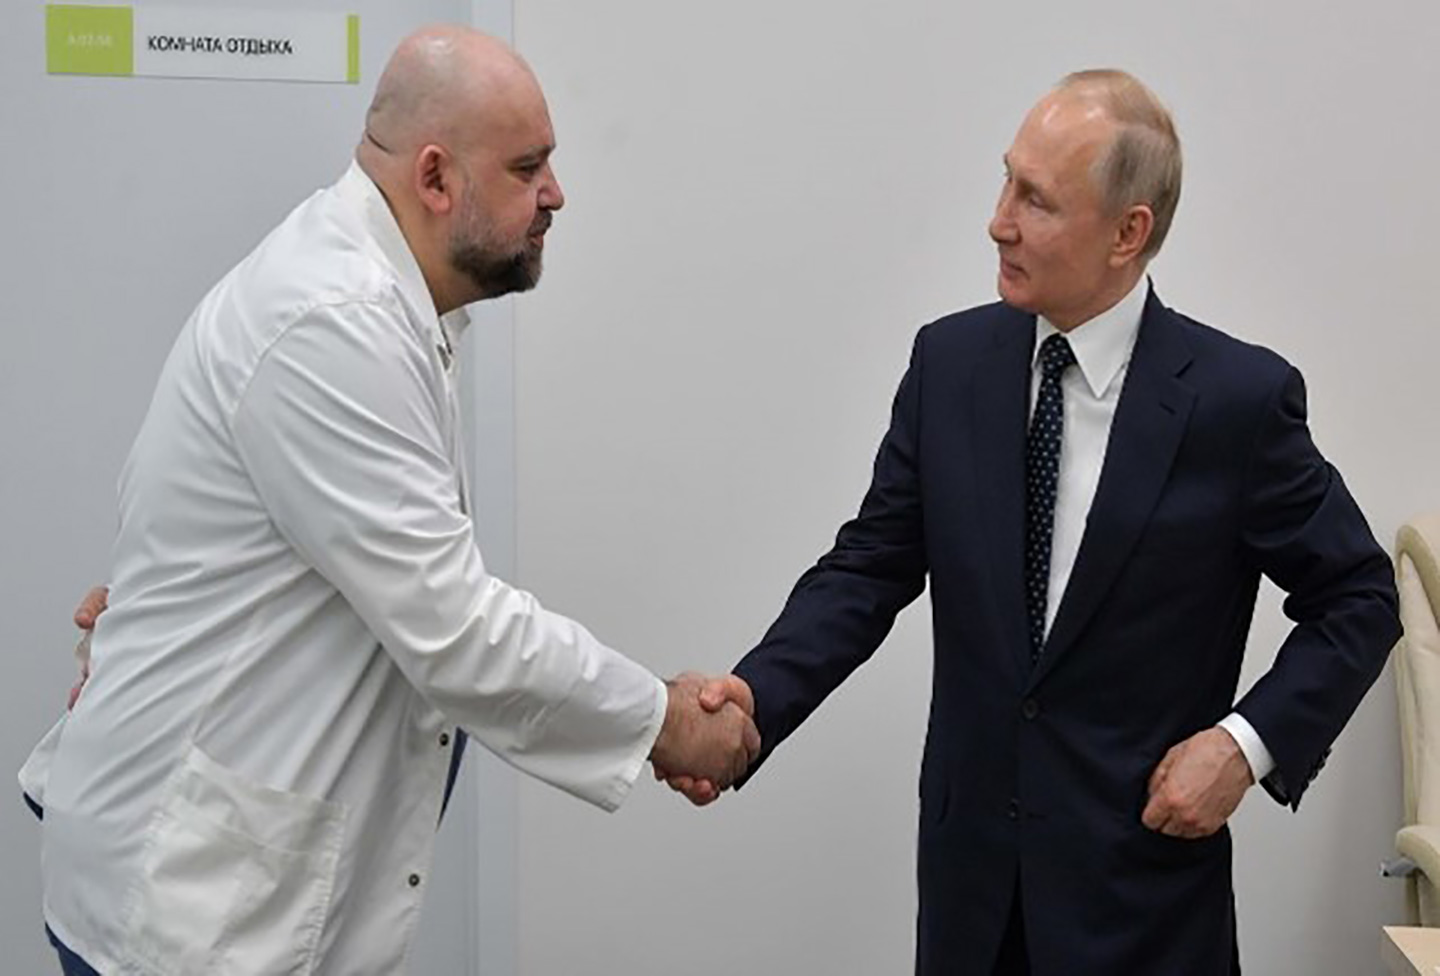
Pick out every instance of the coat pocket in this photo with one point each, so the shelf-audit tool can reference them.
(236, 877)
(1154, 849)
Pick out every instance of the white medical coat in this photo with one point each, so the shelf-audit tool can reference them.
(299, 617)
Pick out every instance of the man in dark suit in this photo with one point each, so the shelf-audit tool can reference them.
(1093, 485)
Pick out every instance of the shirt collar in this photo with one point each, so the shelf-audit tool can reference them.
(1102, 345)
(357, 188)
(453, 326)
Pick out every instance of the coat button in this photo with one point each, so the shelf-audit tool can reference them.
(444, 739)
(414, 880)
(1012, 810)
(1030, 708)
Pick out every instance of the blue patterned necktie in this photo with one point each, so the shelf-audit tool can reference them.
(1042, 471)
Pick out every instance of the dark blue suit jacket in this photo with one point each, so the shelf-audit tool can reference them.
(1210, 480)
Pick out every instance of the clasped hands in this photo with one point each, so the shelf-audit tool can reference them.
(709, 737)
(707, 742)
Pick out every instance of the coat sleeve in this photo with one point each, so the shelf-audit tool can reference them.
(1304, 531)
(341, 431)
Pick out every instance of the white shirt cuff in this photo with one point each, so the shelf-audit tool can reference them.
(1250, 743)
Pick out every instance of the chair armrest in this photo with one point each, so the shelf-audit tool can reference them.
(1421, 844)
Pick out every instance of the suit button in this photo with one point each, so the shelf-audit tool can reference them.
(414, 880)
(1030, 708)
(1012, 810)
(444, 739)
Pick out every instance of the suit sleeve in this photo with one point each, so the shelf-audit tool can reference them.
(1304, 531)
(844, 606)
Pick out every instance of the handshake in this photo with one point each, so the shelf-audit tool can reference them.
(709, 737)
(708, 740)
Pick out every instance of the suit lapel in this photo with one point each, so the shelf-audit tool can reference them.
(1149, 424)
(1000, 409)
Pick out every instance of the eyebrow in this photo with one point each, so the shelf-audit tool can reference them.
(1024, 182)
(535, 154)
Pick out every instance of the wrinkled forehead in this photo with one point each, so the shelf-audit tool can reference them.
(1060, 138)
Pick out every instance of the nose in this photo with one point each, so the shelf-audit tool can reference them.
(551, 196)
(1003, 229)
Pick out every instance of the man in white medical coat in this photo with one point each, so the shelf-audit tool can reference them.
(301, 628)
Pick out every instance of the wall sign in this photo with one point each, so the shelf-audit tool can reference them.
(194, 42)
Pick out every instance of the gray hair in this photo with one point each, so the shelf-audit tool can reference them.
(1143, 164)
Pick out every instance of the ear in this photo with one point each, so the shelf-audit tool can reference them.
(437, 179)
(1132, 233)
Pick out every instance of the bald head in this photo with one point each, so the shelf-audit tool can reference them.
(442, 85)
(458, 139)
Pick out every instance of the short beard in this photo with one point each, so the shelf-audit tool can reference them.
(493, 273)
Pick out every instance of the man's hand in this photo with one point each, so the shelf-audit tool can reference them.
(713, 746)
(715, 695)
(89, 611)
(1197, 785)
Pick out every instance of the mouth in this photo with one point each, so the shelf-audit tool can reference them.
(1009, 269)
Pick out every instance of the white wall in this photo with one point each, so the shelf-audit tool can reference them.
(767, 198)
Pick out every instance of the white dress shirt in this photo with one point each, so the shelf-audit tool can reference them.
(299, 618)
(1102, 346)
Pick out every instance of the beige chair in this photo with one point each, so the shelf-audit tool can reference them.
(1417, 678)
